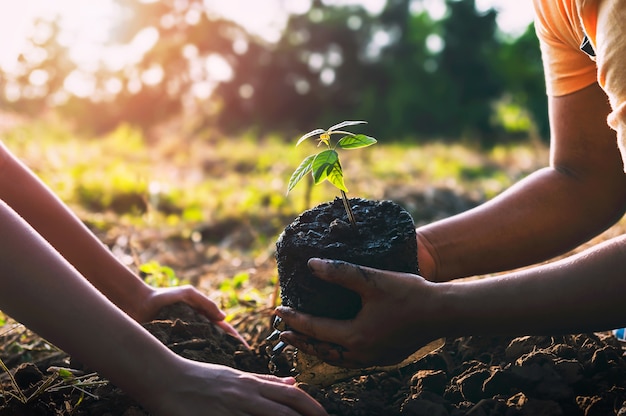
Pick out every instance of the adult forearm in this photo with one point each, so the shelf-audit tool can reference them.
(547, 213)
(578, 294)
(544, 215)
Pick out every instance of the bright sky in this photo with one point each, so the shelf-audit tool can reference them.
(86, 22)
(514, 16)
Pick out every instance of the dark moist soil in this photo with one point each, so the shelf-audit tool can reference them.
(384, 238)
(581, 374)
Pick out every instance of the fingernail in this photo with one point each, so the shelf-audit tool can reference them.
(273, 336)
(278, 323)
(283, 311)
(278, 348)
(276, 320)
(315, 264)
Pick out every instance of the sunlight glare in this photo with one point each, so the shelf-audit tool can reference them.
(436, 9)
(114, 86)
(153, 75)
(218, 68)
(38, 77)
(373, 7)
(80, 84)
(266, 19)
(86, 27)
(513, 16)
(434, 43)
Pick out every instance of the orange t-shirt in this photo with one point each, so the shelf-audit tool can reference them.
(561, 27)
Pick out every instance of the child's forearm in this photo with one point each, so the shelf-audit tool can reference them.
(42, 290)
(34, 202)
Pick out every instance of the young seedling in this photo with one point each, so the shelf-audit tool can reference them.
(325, 164)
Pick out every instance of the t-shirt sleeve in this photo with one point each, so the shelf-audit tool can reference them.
(610, 46)
(567, 69)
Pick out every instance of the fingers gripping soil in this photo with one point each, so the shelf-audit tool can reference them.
(348, 275)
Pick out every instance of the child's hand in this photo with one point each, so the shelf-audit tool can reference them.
(159, 298)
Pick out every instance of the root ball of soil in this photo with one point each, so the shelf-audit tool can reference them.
(384, 239)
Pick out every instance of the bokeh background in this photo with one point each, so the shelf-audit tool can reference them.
(446, 70)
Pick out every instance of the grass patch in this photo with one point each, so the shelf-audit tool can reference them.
(208, 210)
(173, 181)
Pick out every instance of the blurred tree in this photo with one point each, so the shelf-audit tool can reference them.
(42, 69)
(520, 67)
(403, 93)
(172, 46)
(312, 76)
(437, 78)
(404, 72)
(175, 72)
(467, 64)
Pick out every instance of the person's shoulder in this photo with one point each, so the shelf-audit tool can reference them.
(559, 20)
(558, 26)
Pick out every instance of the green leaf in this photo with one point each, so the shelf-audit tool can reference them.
(346, 123)
(323, 164)
(65, 374)
(335, 176)
(150, 267)
(355, 142)
(240, 279)
(310, 134)
(303, 169)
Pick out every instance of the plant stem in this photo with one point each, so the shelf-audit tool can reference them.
(348, 208)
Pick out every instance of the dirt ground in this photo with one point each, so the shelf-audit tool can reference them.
(581, 374)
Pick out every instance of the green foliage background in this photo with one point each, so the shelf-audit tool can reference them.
(121, 177)
(480, 85)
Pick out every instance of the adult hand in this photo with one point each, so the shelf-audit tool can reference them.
(158, 298)
(399, 314)
(200, 388)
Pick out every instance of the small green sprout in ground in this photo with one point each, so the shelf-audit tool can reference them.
(157, 275)
(325, 165)
(231, 289)
(238, 296)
